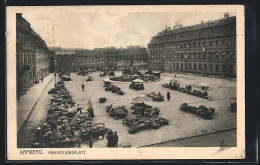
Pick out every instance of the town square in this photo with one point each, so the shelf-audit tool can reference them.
(177, 90)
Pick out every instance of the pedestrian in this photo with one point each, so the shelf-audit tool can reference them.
(143, 109)
(42, 79)
(78, 109)
(38, 134)
(109, 138)
(168, 96)
(82, 86)
(91, 112)
(115, 138)
(175, 75)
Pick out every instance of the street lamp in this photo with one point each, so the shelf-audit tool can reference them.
(55, 70)
(90, 132)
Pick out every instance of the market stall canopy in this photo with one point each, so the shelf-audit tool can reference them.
(107, 80)
(135, 75)
(138, 80)
(174, 81)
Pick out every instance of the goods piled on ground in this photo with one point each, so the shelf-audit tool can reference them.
(202, 111)
(174, 85)
(65, 78)
(102, 100)
(63, 119)
(146, 117)
(117, 112)
(147, 110)
(138, 123)
(156, 97)
(114, 89)
(96, 130)
(79, 119)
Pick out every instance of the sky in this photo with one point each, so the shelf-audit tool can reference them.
(91, 30)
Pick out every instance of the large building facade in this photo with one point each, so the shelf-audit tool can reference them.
(132, 56)
(208, 48)
(101, 59)
(42, 58)
(31, 56)
(65, 59)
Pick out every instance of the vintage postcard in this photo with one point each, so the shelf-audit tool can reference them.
(125, 82)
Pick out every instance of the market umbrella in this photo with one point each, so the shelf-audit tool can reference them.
(107, 80)
(138, 80)
(174, 81)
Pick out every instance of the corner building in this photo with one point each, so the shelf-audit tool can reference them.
(208, 48)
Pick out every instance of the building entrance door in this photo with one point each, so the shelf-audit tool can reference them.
(181, 67)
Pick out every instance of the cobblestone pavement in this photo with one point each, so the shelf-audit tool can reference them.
(182, 124)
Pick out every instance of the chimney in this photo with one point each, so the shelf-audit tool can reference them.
(201, 22)
(226, 15)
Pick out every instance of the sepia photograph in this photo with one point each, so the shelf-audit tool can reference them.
(125, 77)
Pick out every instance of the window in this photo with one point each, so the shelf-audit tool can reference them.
(216, 68)
(205, 67)
(211, 67)
(195, 66)
(223, 68)
(210, 33)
